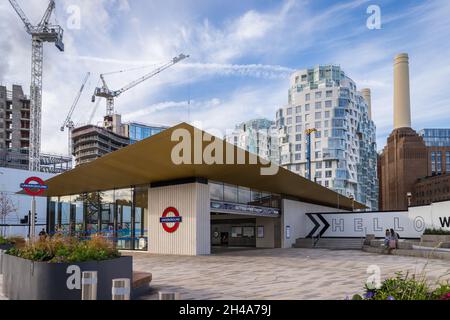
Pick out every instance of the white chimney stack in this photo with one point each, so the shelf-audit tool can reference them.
(402, 107)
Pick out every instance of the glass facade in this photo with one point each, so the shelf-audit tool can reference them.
(235, 194)
(436, 137)
(138, 132)
(119, 215)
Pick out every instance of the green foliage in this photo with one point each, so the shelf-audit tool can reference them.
(60, 249)
(4, 240)
(438, 232)
(442, 292)
(406, 287)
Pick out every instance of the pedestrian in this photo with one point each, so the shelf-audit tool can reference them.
(42, 234)
(393, 240)
(387, 237)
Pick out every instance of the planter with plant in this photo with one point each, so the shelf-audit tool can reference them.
(5, 244)
(51, 269)
(436, 236)
(406, 287)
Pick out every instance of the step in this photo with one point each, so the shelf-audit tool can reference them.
(330, 243)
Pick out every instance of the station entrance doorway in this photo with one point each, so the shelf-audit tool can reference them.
(244, 231)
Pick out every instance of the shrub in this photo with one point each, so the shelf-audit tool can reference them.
(406, 287)
(442, 292)
(439, 232)
(66, 249)
(4, 240)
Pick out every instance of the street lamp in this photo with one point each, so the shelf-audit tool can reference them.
(409, 197)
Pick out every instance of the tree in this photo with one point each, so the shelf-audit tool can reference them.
(7, 207)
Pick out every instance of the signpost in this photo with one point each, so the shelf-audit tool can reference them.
(33, 186)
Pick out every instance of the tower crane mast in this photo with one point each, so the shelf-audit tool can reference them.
(110, 95)
(68, 123)
(40, 33)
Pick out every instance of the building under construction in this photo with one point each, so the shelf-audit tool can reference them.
(91, 142)
(15, 134)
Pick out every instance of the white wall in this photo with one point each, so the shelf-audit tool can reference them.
(359, 224)
(193, 235)
(10, 180)
(294, 216)
(436, 216)
(268, 241)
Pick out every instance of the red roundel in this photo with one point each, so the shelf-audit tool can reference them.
(175, 219)
(34, 186)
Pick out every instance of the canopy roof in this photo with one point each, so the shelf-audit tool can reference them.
(149, 161)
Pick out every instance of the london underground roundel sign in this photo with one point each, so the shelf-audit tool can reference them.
(34, 186)
(174, 220)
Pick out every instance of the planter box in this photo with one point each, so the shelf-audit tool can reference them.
(435, 238)
(29, 280)
(6, 246)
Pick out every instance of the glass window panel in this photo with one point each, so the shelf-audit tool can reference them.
(141, 214)
(216, 191)
(230, 193)
(244, 195)
(124, 204)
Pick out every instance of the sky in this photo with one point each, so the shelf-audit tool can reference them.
(241, 56)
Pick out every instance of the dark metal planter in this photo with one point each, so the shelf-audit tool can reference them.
(29, 280)
(6, 246)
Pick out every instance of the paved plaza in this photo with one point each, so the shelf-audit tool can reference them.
(275, 273)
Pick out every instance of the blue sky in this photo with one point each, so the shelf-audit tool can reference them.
(241, 55)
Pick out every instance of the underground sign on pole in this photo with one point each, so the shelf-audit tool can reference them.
(33, 186)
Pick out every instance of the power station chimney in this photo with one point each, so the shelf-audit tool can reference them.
(368, 97)
(402, 107)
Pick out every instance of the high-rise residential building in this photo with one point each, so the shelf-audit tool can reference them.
(137, 131)
(343, 144)
(14, 127)
(15, 134)
(91, 142)
(258, 136)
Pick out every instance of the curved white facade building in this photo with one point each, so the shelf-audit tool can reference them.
(343, 149)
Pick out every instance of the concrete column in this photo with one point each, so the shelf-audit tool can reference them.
(402, 108)
(368, 97)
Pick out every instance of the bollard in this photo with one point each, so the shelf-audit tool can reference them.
(89, 285)
(121, 289)
(169, 296)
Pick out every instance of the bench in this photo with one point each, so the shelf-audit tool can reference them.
(141, 283)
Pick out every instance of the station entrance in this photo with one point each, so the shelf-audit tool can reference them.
(244, 231)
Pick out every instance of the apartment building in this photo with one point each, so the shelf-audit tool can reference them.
(343, 144)
(258, 136)
(14, 128)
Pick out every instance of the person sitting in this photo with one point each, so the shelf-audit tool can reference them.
(394, 240)
(387, 237)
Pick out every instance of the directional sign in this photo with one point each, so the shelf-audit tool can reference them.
(34, 186)
(175, 219)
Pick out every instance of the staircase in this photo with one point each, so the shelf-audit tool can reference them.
(331, 243)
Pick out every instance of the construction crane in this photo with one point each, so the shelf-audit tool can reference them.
(68, 123)
(109, 95)
(308, 133)
(40, 33)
